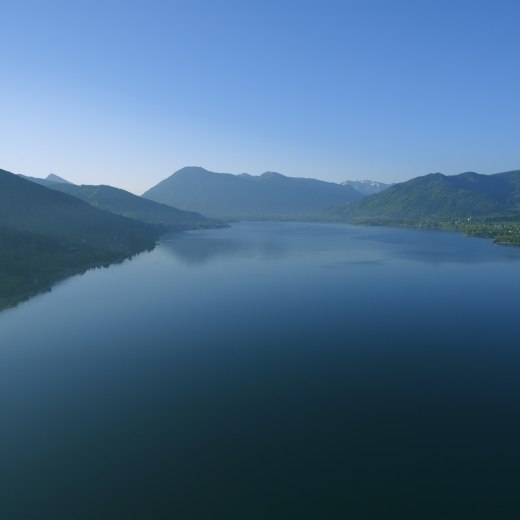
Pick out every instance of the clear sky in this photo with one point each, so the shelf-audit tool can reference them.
(126, 92)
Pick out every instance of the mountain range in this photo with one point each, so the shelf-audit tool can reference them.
(127, 204)
(51, 228)
(438, 196)
(244, 196)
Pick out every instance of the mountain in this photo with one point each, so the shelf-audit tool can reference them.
(46, 235)
(270, 195)
(55, 178)
(438, 196)
(127, 204)
(367, 187)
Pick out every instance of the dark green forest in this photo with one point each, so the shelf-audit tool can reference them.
(46, 236)
(478, 205)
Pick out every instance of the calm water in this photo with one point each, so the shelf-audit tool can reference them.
(269, 371)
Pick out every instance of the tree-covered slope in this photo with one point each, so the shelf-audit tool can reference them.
(440, 197)
(222, 195)
(127, 204)
(46, 235)
(27, 206)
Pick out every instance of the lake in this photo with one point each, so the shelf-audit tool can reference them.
(269, 371)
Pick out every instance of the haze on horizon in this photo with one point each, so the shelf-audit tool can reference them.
(127, 92)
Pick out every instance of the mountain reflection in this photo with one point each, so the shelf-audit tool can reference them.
(28, 285)
(341, 245)
(200, 248)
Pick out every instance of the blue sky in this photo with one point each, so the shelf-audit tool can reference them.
(126, 92)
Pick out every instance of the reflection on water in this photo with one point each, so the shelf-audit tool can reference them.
(26, 284)
(269, 371)
(336, 246)
(196, 249)
(200, 248)
(360, 245)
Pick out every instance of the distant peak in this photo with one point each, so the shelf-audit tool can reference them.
(56, 178)
(193, 169)
(366, 186)
(267, 175)
(199, 170)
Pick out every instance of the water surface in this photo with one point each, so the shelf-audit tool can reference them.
(269, 371)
